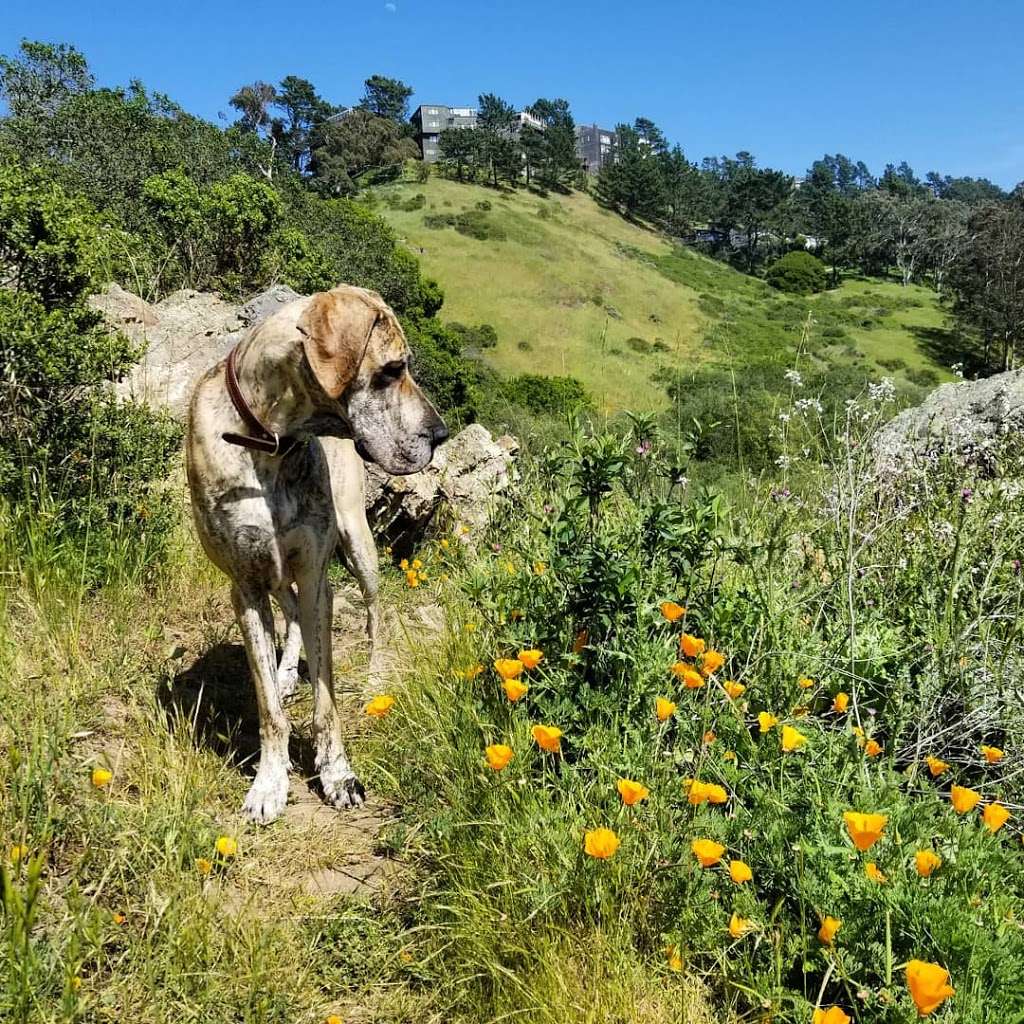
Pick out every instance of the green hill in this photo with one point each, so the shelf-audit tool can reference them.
(572, 288)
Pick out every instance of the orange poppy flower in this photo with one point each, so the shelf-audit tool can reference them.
(204, 865)
(792, 739)
(739, 871)
(873, 748)
(600, 843)
(711, 662)
(992, 754)
(704, 792)
(514, 689)
(581, 641)
(828, 929)
(739, 926)
(995, 817)
(675, 961)
(691, 646)
(707, 851)
(926, 862)
(963, 799)
(708, 738)
(691, 678)
(509, 668)
(840, 703)
(766, 721)
(833, 1015)
(871, 869)
(936, 766)
(671, 611)
(380, 705)
(101, 777)
(632, 792)
(804, 683)
(664, 709)
(733, 690)
(929, 986)
(865, 829)
(531, 658)
(498, 756)
(547, 737)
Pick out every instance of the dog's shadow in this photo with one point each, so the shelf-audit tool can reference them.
(214, 701)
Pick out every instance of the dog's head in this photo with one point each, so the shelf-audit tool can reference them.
(358, 355)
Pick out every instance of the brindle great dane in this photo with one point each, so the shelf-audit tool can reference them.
(268, 495)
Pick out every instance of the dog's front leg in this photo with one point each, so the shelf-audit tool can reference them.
(268, 794)
(340, 785)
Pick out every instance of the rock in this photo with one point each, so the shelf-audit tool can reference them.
(466, 472)
(120, 308)
(968, 420)
(184, 335)
(263, 305)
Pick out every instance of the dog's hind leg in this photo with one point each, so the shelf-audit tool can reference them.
(268, 794)
(360, 553)
(288, 666)
(340, 785)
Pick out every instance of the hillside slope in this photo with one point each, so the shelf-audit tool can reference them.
(573, 289)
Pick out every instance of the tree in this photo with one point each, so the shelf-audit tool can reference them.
(749, 197)
(797, 272)
(898, 221)
(633, 182)
(556, 159)
(943, 238)
(685, 194)
(460, 151)
(386, 97)
(353, 144)
(303, 111)
(963, 190)
(253, 102)
(987, 278)
(35, 83)
(901, 180)
(825, 206)
(533, 145)
(497, 143)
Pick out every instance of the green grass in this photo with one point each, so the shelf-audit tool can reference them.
(563, 262)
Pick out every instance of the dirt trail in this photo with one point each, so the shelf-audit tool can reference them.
(313, 853)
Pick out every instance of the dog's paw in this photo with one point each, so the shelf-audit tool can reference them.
(342, 788)
(287, 681)
(267, 797)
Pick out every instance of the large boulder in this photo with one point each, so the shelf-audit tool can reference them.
(969, 421)
(466, 473)
(183, 336)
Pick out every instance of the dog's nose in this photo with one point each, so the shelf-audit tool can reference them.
(438, 434)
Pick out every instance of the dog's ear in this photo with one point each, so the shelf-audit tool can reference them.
(335, 328)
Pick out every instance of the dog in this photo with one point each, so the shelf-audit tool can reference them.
(307, 393)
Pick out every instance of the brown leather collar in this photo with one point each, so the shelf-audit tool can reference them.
(259, 439)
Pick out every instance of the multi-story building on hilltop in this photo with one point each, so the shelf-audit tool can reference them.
(429, 120)
(595, 146)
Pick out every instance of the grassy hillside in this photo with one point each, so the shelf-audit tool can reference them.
(570, 287)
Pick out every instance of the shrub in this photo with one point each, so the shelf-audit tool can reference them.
(640, 345)
(66, 444)
(552, 396)
(481, 336)
(799, 273)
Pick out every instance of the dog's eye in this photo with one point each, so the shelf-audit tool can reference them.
(392, 371)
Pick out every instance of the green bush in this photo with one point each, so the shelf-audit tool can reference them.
(551, 396)
(799, 273)
(66, 445)
(481, 336)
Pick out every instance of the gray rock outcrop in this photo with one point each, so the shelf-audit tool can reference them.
(969, 421)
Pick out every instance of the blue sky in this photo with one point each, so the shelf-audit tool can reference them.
(939, 84)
